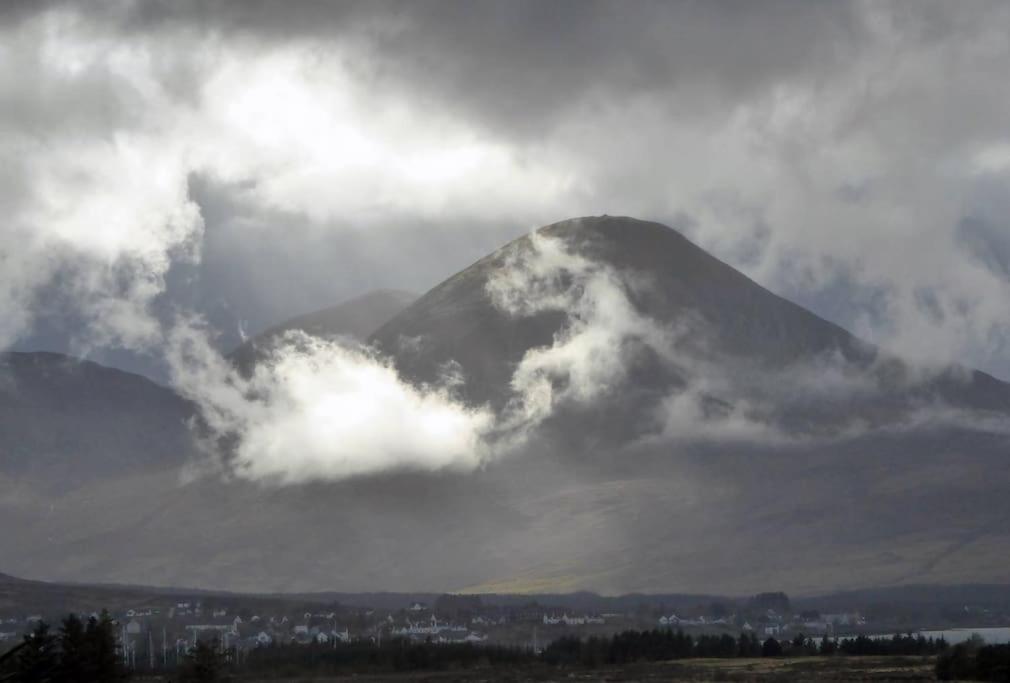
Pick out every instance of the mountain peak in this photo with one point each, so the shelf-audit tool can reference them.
(675, 280)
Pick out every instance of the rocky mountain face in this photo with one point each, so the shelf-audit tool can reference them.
(741, 444)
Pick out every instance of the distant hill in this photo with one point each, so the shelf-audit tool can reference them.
(52, 600)
(65, 420)
(357, 319)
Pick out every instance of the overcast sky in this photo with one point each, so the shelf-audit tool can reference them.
(251, 161)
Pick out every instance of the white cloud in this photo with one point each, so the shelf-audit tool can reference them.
(589, 356)
(320, 410)
(102, 189)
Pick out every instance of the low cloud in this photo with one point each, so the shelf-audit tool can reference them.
(589, 356)
(605, 334)
(323, 410)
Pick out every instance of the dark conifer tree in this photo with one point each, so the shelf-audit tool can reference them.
(38, 660)
(73, 651)
(204, 664)
(101, 653)
(771, 648)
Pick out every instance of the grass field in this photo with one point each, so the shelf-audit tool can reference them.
(769, 670)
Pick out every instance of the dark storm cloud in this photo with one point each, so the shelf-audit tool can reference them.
(831, 150)
(312, 266)
(521, 67)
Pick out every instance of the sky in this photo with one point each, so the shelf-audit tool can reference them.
(244, 162)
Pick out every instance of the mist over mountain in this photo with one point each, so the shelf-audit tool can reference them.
(742, 342)
(356, 319)
(655, 421)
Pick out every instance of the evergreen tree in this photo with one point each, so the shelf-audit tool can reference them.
(771, 648)
(102, 662)
(37, 661)
(748, 646)
(73, 651)
(204, 664)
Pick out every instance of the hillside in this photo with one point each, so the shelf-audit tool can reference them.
(744, 342)
(808, 461)
(64, 421)
(356, 318)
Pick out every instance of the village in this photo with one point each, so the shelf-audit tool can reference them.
(159, 632)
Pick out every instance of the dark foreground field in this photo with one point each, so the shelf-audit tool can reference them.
(762, 669)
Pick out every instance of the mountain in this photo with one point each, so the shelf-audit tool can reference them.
(815, 462)
(65, 420)
(753, 338)
(458, 321)
(356, 318)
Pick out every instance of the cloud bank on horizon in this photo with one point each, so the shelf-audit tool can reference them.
(159, 158)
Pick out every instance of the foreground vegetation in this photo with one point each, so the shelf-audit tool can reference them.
(79, 651)
(974, 661)
(87, 651)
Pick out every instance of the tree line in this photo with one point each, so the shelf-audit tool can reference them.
(666, 644)
(87, 651)
(973, 661)
(79, 651)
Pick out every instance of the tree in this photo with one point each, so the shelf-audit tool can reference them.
(37, 660)
(748, 646)
(771, 648)
(101, 656)
(73, 642)
(956, 664)
(204, 663)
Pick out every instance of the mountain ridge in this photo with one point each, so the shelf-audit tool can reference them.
(896, 503)
(355, 318)
(735, 318)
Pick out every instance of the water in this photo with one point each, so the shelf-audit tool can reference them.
(993, 636)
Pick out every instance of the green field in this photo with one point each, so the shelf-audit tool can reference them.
(764, 669)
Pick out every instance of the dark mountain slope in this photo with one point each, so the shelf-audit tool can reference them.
(901, 503)
(63, 420)
(356, 318)
(733, 322)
